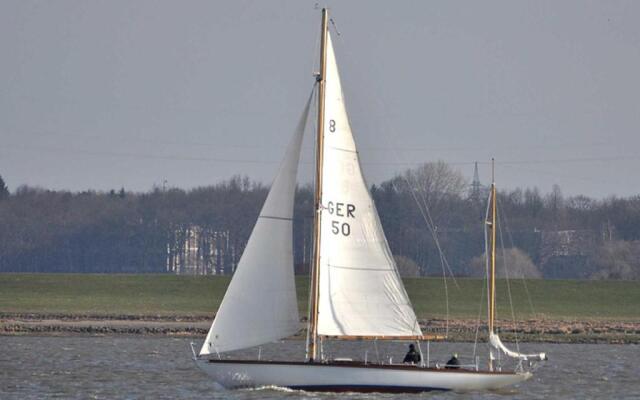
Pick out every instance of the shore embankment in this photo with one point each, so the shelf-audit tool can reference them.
(170, 305)
(458, 330)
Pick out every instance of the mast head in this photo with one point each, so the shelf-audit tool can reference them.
(493, 171)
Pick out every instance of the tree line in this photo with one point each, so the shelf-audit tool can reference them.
(432, 217)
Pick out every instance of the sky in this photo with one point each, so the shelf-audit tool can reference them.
(108, 94)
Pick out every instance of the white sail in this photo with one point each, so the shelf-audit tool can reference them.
(260, 304)
(495, 341)
(360, 291)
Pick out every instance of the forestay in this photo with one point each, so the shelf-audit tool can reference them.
(360, 291)
(260, 304)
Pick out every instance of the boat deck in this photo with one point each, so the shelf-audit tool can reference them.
(355, 364)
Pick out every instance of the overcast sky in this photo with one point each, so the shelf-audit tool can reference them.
(110, 94)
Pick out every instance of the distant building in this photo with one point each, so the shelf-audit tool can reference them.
(197, 251)
(564, 254)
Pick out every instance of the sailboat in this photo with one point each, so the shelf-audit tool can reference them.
(356, 291)
(491, 227)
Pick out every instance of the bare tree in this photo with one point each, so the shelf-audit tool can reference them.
(617, 259)
(581, 203)
(407, 267)
(514, 261)
(4, 190)
(433, 183)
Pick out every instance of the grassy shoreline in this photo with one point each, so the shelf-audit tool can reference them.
(97, 294)
(557, 311)
(459, 330)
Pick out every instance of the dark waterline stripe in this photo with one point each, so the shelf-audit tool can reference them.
(365, 388)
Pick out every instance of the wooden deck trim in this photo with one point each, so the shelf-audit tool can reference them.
(405, 338)
(356, 364)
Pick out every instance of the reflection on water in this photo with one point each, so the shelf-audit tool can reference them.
(137, 367)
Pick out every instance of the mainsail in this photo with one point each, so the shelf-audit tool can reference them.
(260, 304)
(360, 290)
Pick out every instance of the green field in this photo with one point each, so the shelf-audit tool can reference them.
(82, 294)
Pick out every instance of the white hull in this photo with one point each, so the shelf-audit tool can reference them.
(351, 377)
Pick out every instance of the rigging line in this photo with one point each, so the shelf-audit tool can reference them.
(486, 259)
(335, 27)
(397, 189)
(443, 258)
(315, 58)
(506, 273)
(99, 153)
(135, 155)
(556, 174)
(511, 164)
(573, 160)
(116, 154)
(435, 238)
(524, 281)
(512, 243)
(475, 342)
(510, 147)
(443, 261)
(51, 133)
(111, 138)
(432, 231)
(314, 130)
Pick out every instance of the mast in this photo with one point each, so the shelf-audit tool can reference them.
(492, 271)
(315, 267)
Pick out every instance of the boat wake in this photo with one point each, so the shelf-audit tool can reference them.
(279, 389)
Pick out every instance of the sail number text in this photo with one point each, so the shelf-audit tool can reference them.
(344, 210)
(332, 125)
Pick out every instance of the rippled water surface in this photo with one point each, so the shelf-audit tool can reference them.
(161, 368)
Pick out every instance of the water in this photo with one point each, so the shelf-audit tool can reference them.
(161, 368)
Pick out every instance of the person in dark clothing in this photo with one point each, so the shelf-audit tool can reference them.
(453, 363)
(412, 357)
